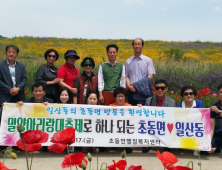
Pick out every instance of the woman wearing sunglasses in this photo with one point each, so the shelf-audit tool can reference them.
(188, 92)
(85, 82)
(47, 74)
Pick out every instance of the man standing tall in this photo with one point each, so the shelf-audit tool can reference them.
(12, 79)
(137, 68)
(111, 74)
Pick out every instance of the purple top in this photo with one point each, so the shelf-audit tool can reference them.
(139, 68)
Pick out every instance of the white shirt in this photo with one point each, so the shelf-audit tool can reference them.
(12, 73)
(194, 104)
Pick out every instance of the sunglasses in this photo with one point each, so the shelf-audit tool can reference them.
(160, 87)
(53, 56)
(190, 93)
(87, 65)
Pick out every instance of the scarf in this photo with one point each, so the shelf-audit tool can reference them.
(88, 77)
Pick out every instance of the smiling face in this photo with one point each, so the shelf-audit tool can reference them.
(188, 95)
(160, 90)
(11, 54)
(64, 96)
(88, 68)
(51, 57)
(120, 99)
(38, 94)
(92, 99)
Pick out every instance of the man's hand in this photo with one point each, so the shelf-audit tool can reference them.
(20, 102)
(139, 105)
(74, 90)
(214, 109)
(101, 99)
(132, 88)
(14, 91)
(46, 103)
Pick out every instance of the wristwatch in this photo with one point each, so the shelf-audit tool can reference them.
(220, 111)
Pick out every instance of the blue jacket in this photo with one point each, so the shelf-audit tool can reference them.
(143, 89)
(199, 104)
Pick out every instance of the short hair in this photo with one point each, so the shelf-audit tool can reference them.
(38, 84)
(89, 93)
(111, 45)
(120, 90)
(49, 51)
(219, 87)
(184, 88)
(12, 46)
(139, 39)
(69, 93)
(88, 58)
(161, 81)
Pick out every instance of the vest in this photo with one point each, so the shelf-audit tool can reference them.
(90, 87)
(111, 75)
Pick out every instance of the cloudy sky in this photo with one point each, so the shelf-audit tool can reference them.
(168, 20)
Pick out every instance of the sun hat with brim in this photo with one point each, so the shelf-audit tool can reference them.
(72, 53)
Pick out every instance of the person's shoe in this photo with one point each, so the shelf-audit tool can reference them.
(167, 149)
(195, 153)
(71, 149)
(8, 155)
(128, 150)
(113, 148)
(204, 153)
(102, 149)
(217, 152)
(45, 149)
(146, 149)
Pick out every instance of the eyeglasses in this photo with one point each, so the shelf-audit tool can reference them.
(160, 87)
(121, 96)
(87, 65)
(53, 56)
(188, 93)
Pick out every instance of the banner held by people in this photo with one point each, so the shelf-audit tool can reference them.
(112, 126)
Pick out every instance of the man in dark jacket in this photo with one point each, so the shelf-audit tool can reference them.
(38, 91)
(12, 79)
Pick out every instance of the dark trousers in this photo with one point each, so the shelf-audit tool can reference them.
(217, 141)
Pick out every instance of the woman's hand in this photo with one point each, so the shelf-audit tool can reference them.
(55, 81)
(73, 90)
(139, 105)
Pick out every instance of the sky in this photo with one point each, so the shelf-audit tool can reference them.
(167, 20)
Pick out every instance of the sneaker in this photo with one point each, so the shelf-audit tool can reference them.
(146, 149)
(204, 153)
(71, 149)
(217, 152)
(166, 149)
(195, 153)
(128, 150)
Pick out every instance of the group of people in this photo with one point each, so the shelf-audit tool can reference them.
(116, 85)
